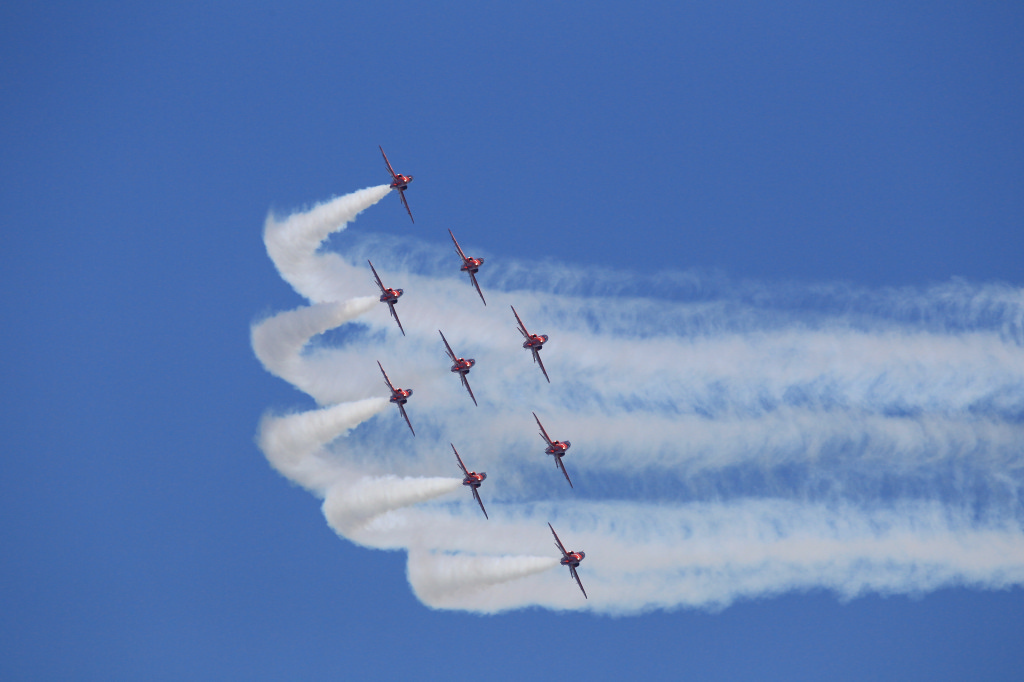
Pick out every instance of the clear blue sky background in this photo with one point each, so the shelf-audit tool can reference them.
(144, 535)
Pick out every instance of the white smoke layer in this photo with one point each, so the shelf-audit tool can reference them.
(729, 440)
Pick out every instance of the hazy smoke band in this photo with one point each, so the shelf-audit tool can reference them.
(729, 440)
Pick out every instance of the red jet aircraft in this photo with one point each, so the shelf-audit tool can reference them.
(555, 447)
(398, 181)
(399, 396)
(460, 365)
(470, 266)
(389, 296)
(472, 479)
(570, 559)
(533, 343)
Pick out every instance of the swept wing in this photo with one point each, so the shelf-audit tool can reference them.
(472, 278)
(448, 348)
(480, 502)
(401, 408)
(457, 247)
(465, 382)
(561, 465)
(388, 381)
(543, 433)
(536, 356)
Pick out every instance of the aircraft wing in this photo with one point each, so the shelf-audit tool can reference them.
(401, 408)
(448, 348)
(558, 542)
(461, 465)
(480, 502)
(473, 278)
(465, 382)
(390, 169)
(522, 327)
(401, 194)
(577, 577)
(376, 276)
(543, 433)
(395, 315)
(386, 380)
(457, 247)
(536, 356)
(558, 461)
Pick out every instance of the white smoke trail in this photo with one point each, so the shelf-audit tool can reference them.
(350, 506)
(292, 244)
(460, 581)
(295, 444)
(728, 440)
(279, 341)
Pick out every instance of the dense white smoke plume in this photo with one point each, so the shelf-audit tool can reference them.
(729, 440)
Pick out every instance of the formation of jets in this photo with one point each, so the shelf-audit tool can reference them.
(461, 366)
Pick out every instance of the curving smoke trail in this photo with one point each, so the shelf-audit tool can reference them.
(459, 582)
(729, 440)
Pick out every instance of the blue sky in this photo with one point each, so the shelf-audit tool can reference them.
(862, 148)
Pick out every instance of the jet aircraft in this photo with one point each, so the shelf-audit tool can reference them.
(399, 396)
(555, 447)
(533, 343)
(472, 479)
(389, 296)
(460, 365)
(398, 181)
(570, 559)
(470, 266)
